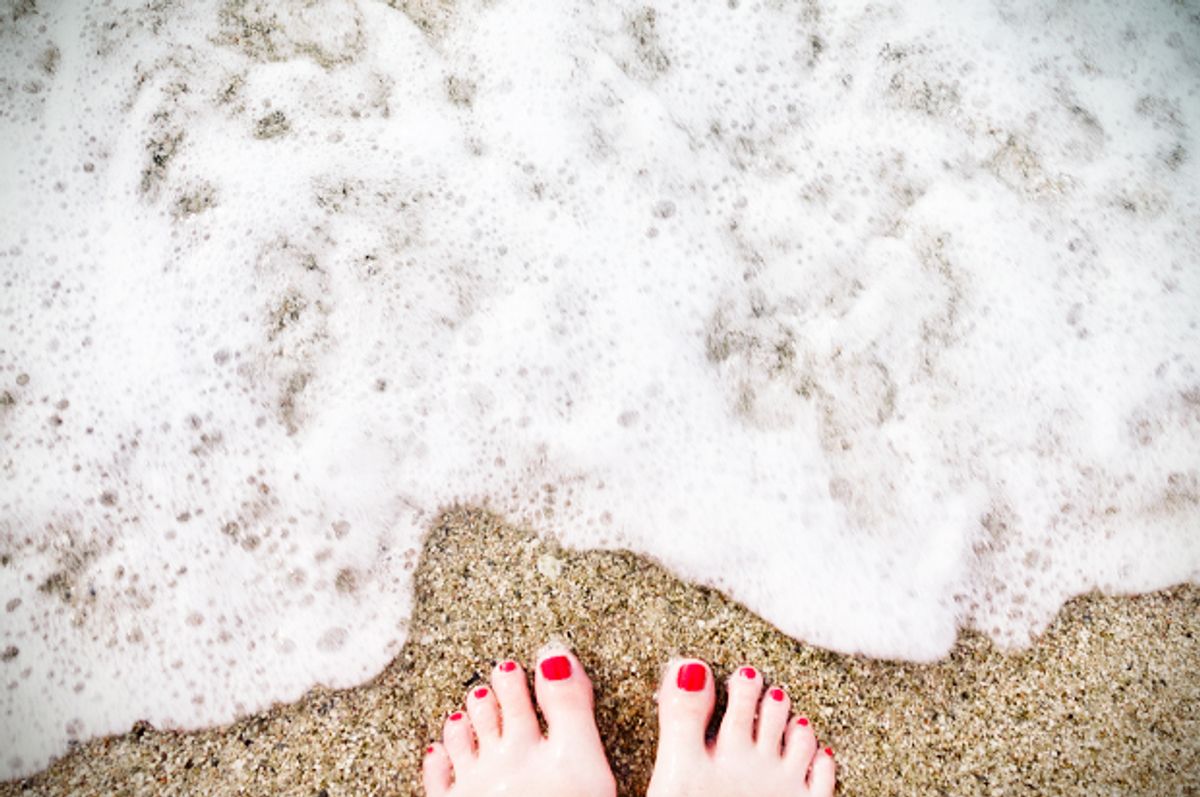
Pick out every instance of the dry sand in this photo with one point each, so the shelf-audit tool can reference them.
(1106, 703)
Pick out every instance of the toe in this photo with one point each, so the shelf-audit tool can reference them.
(737, 726)
(511, 689)
(435, 771)
(459, 741)
(564, 693)
(824, 770)
(800, 745)
(685, 704)
(484, 712)
(772, 719)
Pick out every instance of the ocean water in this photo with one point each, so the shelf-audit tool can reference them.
(881, 317)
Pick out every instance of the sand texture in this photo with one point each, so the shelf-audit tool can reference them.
(1106, 703)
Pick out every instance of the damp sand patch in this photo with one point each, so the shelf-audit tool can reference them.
(1106, 702)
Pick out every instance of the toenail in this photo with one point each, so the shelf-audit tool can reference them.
(455, 717)
(829, 752)
(802, 721)
(480, 693)
(777, 695)
(691, 677)
(748, 672)
(428, 749)
(508, 666)
(556, 668)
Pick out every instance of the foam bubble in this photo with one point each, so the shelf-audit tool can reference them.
(879, 317)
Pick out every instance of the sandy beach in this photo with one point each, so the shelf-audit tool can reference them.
(1107, 702)
(877, 318)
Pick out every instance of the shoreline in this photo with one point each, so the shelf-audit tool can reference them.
(1107, 700)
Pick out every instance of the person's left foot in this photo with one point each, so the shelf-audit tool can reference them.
(496, 746)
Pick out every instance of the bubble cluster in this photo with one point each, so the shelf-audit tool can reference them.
(881, 318)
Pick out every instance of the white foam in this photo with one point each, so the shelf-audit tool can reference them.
(880, 318)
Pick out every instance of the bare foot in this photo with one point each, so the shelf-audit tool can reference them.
(775, 757)
(497, 748)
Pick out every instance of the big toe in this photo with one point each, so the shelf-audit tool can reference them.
(685, 704)
(564, 693)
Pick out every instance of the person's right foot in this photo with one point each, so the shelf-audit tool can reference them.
(776, 756)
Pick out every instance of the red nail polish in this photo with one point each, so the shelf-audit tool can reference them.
(455, 717)
(508, 666)
(428, 749)
(748, 672)
(556, 668)
(829, 752)
(480, 694)
(803, 721)
(777, 695)
(691, 677)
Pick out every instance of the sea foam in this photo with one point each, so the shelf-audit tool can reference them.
(881, 317)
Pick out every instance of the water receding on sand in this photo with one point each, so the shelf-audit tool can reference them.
(881, 320)
(1101, 704)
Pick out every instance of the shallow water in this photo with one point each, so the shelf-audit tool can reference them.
(881, 318)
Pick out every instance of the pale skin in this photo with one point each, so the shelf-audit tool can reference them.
(496, 747)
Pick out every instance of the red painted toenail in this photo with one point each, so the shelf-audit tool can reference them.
(748, 672)
(802, 721)
(556, 668)
(480, 693)
(428, 749)
(691, 677)
(508, 666)
(829, 752)
(455, 717)
(777, 695)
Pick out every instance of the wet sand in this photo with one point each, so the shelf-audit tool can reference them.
(1107, 702)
